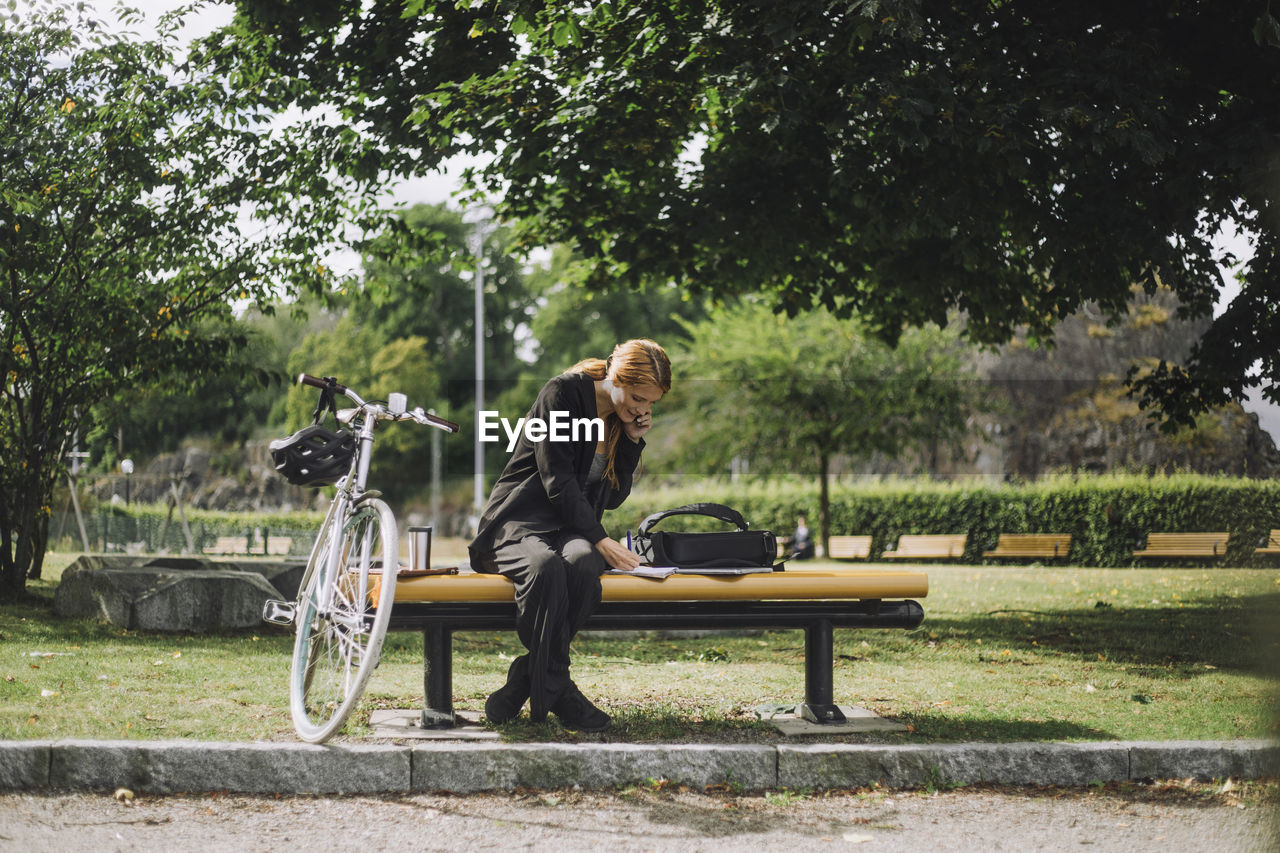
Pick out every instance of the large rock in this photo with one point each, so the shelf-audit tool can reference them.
(163, 597)
(285, 576)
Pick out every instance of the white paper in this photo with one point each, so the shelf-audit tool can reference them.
(646, 571)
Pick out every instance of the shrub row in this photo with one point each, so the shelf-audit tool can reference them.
(112, 528)
(1108, 516)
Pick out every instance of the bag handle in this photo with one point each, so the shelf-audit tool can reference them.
(716, 511)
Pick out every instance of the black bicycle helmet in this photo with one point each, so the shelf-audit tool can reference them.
(314, 455)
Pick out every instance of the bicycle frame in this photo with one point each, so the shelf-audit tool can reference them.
(349, 496)
(350, 492)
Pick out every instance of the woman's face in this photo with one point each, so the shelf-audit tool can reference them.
(633, 401)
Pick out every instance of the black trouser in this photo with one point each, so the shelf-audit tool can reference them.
(557, 578)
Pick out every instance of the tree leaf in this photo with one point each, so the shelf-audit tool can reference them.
(1266, 31)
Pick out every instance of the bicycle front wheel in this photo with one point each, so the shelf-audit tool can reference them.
(342, 618)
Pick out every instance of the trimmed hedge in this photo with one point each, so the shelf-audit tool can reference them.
(1107, 515)
(119, 527)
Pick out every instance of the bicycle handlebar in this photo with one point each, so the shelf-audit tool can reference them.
(317, 382)
(434, 420)
(417, 414)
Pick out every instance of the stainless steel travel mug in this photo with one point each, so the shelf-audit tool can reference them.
(419, 548)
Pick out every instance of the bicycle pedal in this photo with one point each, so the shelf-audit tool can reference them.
(278, 612)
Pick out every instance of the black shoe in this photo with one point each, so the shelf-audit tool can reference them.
(504, 704)
(576, 712)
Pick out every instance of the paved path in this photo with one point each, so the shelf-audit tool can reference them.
(1127, 819)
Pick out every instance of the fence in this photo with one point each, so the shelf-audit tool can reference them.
(108, 531)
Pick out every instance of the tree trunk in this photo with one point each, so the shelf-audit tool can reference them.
(12, 581)
(39, 542)
(824, 503)
(24, 532)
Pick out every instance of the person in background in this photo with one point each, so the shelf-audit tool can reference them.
(802, 541)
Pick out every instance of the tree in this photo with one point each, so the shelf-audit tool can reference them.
(137, 200)
(791, 394)
(242, 396)
(574, 322)
(374, 366)
(230, 400)
(1090, 352)
(891, 158)
(419, 281)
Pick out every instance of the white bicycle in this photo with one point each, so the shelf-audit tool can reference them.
(345, 597)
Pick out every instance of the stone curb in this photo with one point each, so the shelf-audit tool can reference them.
(165, 767)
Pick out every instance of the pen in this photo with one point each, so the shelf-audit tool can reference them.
(628, 540)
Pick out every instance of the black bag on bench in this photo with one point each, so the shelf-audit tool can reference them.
(694, 551)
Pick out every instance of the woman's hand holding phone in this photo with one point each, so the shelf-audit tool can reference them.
(636, 429)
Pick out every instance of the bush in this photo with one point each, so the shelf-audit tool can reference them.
(1107, 515)
(144, 525)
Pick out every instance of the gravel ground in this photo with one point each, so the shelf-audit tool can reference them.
(1168, 817)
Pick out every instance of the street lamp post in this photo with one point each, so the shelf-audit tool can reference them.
(478, 497)
(482, 227)
(126, 465)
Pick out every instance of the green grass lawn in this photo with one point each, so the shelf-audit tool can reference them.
(1003, 654)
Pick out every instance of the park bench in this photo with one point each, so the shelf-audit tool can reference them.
(849, 547)
(1197, 545)
(928, 547)
(228, 545)
(1031, 545)
(1271, 546)
(814, 600)
(279, 546)
(276, 546)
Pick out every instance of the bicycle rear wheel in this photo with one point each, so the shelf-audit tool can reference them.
(342, 618)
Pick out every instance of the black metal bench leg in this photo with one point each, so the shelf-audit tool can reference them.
(819, 660)
(437, 677)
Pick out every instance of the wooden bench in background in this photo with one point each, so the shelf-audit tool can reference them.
(812, 599)
(1023, 545)
(235, 546)
(849, 548)
(228, 545)
(928, 547)
(278, 546)
(1197, 545)
(1272, 545)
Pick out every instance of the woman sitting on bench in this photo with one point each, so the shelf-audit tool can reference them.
(541, 525)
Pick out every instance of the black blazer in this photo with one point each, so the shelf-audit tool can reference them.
(543, 489)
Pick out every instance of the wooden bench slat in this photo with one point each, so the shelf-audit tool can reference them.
(1031, 545)
(849, 547)
(1184, 545)
(791, 585)
(1272, 546)
(928, 546)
